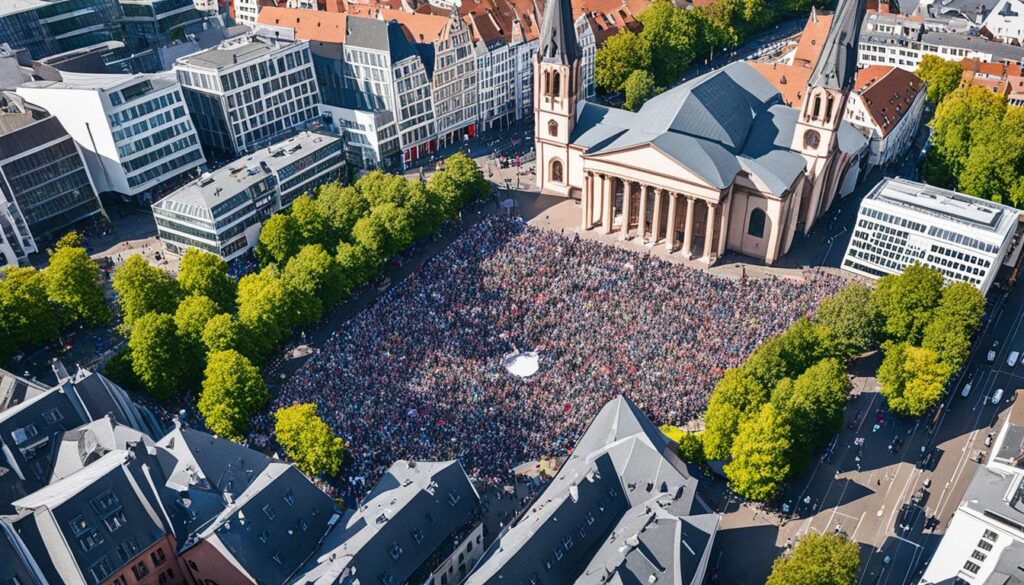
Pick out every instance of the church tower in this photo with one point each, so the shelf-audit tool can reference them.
(556, 90)
(816, 136)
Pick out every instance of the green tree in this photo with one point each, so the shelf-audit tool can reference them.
(280, 238)
(760, 455)
(953, 131)
(192, 315)
(73, 282)
(156, 355)
(71, 239)
(379, 188)
(787, 354)
(954, 322)
(906, 301)
(621, 54)
(314, 224)
(265, 311)
(639, 88)
(941, 75)
(387, 230)
(690, 446)
(308, 441)
(343, 206)
(818, 559)
(202, 273)
(317, 275)
(995, 165)
(912, 378)
(849, 322)
(233, 391)
(26, 313)
(223, 332)
(425, 210)
(738, 395)
(813, 405)
(671, 34)
(143, 289)
(357, 264)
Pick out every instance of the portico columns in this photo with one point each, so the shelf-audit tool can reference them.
(709, 234)
(641, 222)
(607, 202)
(722, 240)
(588, 196)
(688, 234)
(627, 196)
(670, 230)
(656, 228)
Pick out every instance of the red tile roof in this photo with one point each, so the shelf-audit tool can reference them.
(310, 25)
(887, 93)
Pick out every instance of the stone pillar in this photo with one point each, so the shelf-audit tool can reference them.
(607, 201)
(585, 203)
(641, 223)
(709, 235)
(627, 196)
(656, 226)
(670, 229)
(723, 235)
(688, 234)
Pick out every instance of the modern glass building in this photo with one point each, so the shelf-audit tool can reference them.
(153, 23)
(48, 27)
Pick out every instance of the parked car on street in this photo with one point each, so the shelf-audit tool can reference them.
(997, 396)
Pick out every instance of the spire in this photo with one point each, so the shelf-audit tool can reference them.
(557, 34)
(837, 66)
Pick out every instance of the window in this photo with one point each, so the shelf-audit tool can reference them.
(552, 128)
(990, 535)
(289, 497)
(102, 569)
(979, 555)
(386, 579)
(395, 550)
(79, 525)
(269, 511)
(90, 541)
(127, 550)
(556, 171)
(52, 416)
(756, 225)
(158, 557)
(971, 567)
(120, 580)
(140, 570)
(984, 545)
(115, 521)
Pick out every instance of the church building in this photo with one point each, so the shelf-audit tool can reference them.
(716, 163)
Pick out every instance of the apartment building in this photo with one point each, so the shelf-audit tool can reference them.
(48, 27)
(222, 211)
(45, 184)
(249, 92)
(133, 130)
(1006, 79)
(901, 223)
(886, 104)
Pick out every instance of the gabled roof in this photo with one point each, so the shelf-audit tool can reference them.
(887, 93)
(379, 35)
(837, 66)
(211, 462)
(14, 390)
(82, 446)
(424, 28)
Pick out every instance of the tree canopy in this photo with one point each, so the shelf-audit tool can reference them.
(942, 76)
(280, 238)
(906, 301)
(142, 289)
(233, 391)
(912, 378)
(639, 87)
(73, 282)
(202, 273)
(621, 55)
(850, 323)
(26, 313)
(157, 354)
(760, 455)
(308, 441)
(818, 559)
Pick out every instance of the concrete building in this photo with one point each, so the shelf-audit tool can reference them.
(47, 27)
(45, 184)
(886, 105)
(222, 211)
(249, 92)
(1005, 21)
(133, 130)
(718, 159)
(148, 24)
(984, 541)
(901, 223)
(416, 511)
(623, 508)
(893, 39)
(246, 12)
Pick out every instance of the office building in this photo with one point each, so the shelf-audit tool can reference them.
(984, 541)
(47, 27)
(901, 223)
(222, 211)
(46, 187)
(148, 24)
(249, 92)
(133, 130)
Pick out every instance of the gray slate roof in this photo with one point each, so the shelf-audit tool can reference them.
(621, 466)
(837, 66)
(81, 446)
(378, 35)
(416, 506)
(558, 34)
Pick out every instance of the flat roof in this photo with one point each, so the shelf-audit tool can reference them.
(231, 52)
(8, 7)
(200, 196)
(104, 81)
(977, 213)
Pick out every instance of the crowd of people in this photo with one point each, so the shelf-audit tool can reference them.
(420, 375)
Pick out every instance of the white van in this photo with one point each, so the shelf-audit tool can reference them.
(967, 390)
(1011, 360)
(997, 396)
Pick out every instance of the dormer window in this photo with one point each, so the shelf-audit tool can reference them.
(269, 511)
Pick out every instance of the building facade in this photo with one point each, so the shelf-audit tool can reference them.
(45, 184)
(49, 27)
(222, 211)
(249, 92)
(901, 223)
(886, 105)
(148, 24)
(719, 159)
(133, 130)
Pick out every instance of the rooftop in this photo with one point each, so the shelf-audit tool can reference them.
(310, 25)
(229, 53)
(199, 197)
(104, 81)
(977, 213)
(887, 93)
(8, 7)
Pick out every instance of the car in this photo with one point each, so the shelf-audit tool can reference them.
(991, 357)
(967, 390)
(997, 396)
(1011, 360)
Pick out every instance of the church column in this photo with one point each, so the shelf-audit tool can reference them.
(670, 229)
(588, 196)
(709, 234)
(688, 234)
(627, 196)
(641, 222)
(607, 201)
(656, 226)
(722, 236)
